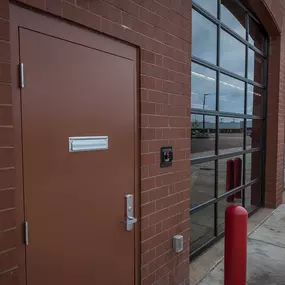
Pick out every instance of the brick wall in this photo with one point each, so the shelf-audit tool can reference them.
(271, 14)
(8, 252)
(161, 29)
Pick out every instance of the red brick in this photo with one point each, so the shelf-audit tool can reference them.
(178, 100)
(155, 169)
(144, 171)
(179, 77)
(148, 257)
(80, 16)
(144, 120)
(7, 199)
(6, 136)
(10, 277)
(147, 82)
(148, 233)
(85, 4)
(5, 72)
(4, 51)
(158, 97)
(7, 239)
(157, 217)
(149, 280)
(6, 115)
(154, 146)
(164, 203)
(172, 64)
(159, 239)
(7, 180)
(54, 6)
(5, 94)
(158, 84)
(7, 219)
(173, 133)
(156, 72)
(138, 25)
(148, 209)
(126, 6)
(144, 223)
(172, 87)
(105, 10)
(4, 9)
(40, 4)
(147, 108)
(147, 159)
(158, 60)
(8, 260)
(180, 143)
(7, 156)
(144, 95)
(182, 185)
(158, 134)
(158, 121)
(147, 184)
(158, 193)
(148, 56)
(145, 197)
(148, 133)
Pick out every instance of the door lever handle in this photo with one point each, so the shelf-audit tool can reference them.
(131, 220)
(129, 212)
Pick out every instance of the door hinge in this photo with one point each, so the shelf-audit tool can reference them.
(22, 78)
(26, 228)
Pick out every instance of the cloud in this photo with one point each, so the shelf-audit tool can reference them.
(232, 58)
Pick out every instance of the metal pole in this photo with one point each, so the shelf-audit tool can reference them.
(237, 175)
(204, 101)
(235, 245)
(230, 179)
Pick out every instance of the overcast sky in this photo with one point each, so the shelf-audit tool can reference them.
(204, 46)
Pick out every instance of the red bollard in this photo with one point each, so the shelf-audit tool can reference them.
(230, 179)
(237, 175)
(235, 245)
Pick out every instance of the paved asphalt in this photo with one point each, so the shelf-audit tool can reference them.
(226, 140)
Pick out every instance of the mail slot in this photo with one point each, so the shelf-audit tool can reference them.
(88, 143)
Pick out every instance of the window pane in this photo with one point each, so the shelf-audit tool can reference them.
(255, 67)
(252, 197)
(201, 228)
(253, 133)
(222, 206)
(203, 135)
(255, 100)
(210, 6)
(231, 94)
(256, 35)
(204, 38)
(203, 93)
(233, 15)
(232, 54)
(230, 134)
(202, 183)
(252, 166)
(226, 166)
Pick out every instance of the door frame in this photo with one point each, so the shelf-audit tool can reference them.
(44, 23)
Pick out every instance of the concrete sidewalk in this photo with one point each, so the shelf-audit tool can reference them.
(266, 254)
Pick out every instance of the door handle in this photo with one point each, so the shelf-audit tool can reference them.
(130, 219)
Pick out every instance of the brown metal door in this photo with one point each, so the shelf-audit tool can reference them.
(74, 201)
